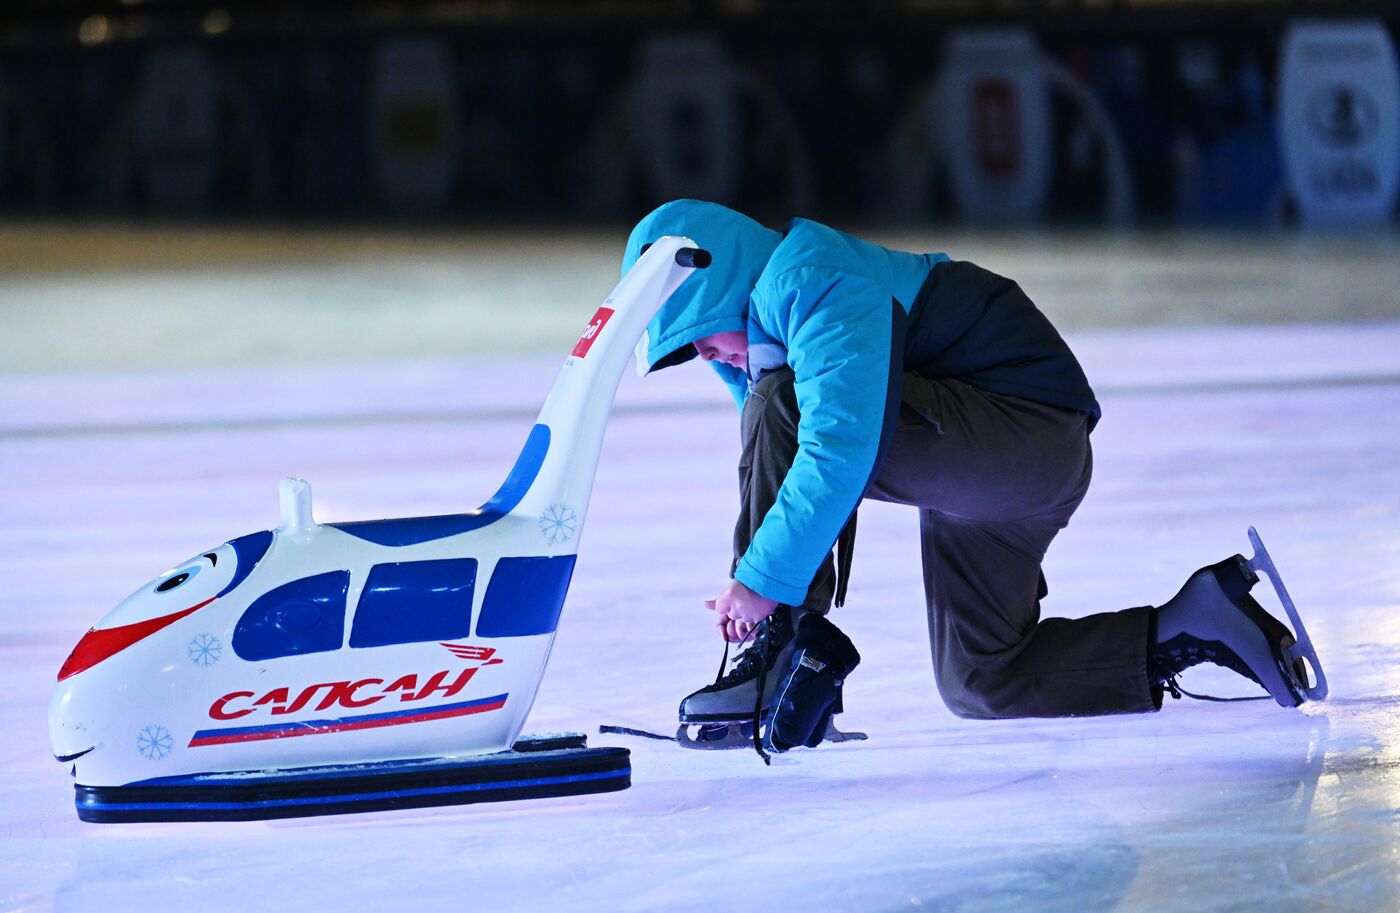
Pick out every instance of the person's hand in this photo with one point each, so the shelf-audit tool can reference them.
(738, 609)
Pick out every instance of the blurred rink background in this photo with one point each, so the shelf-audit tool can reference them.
(351, 241)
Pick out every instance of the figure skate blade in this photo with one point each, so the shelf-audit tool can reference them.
(1302, 649)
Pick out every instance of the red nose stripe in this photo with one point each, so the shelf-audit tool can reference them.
(98, 645)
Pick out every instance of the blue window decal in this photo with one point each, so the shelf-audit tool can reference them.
(417, 530)
(304, 616)
(415, 602)
(250, 550)
(525, 596)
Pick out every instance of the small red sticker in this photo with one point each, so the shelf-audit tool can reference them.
(590, 332)
(466, 651)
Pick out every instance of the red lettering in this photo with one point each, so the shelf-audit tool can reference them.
(590, 332)
(349, 699)
(343, 693)
(276, 696)
(216, 711)
(464, 651)
(347, 694)
(408, 685)
(436, 684)
(305, 697)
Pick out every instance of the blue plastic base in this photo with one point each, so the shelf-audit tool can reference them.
(535, 769)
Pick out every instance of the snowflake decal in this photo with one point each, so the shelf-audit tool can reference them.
(558, 523)
(155, 742)
(205, 650)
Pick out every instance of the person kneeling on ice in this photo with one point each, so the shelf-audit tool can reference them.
(863, 372)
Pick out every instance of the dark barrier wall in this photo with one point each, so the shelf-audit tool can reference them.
(1179, 116)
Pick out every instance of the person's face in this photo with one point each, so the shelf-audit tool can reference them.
(732, 348)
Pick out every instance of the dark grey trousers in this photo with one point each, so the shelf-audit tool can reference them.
(995, 478)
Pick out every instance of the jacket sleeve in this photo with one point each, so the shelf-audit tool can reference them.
(844, 338)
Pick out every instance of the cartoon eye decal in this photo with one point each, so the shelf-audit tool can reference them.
(180, 579)
(172, 583)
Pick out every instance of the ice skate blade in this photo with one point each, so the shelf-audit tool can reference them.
(535, 770)
(1301, 651)
(715, 736)
(740, 735)
(835, 735)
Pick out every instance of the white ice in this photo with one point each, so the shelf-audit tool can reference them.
(146, 416)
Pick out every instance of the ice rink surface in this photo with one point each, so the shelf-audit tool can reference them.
(147, 413)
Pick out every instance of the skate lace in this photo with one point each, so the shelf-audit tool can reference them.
(768, 640)
(1166, 670)
(753, 661)
(755, 655)
(758, 706)
(1183, 651)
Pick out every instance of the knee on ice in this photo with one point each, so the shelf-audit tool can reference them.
(971, 698)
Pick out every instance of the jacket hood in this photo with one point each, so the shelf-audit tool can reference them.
(712, 300)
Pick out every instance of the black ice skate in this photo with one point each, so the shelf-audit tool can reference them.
(1214, 619)
(817, 667)
(721, 715)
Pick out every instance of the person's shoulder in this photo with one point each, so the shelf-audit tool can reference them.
(809, 251)
(814, 244)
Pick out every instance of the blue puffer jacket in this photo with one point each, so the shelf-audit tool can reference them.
(849, 317)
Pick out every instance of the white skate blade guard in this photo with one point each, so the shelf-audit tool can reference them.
(1302, 649)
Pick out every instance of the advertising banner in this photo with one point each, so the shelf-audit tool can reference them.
(994, 123)
(176, 126)
(414, 124)
(1339, 121)
(685, 119)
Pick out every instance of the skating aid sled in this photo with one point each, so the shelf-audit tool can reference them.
(330, 668)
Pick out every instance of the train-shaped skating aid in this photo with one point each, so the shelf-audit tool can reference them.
(327, 668)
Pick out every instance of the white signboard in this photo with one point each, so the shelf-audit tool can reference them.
(685, 119)
(413, 107)
(1339, 121)
(176, 125)
(995, 125)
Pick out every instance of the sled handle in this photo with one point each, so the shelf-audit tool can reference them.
(691, 257)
